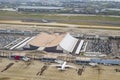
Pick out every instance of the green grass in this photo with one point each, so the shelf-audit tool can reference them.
(81, 20)
(53, 16)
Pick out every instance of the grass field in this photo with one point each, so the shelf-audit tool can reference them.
(19, 71)
(78, 19)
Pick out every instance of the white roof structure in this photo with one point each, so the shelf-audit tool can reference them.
(68, 43)
(79, 47)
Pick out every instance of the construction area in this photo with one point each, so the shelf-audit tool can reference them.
(21, 71)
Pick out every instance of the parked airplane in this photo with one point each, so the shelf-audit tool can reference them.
(63, 66)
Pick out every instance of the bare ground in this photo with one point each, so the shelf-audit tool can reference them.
(19, 71)
(83, 30)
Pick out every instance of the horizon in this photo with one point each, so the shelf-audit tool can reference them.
(54, 0)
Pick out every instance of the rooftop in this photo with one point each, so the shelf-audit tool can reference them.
(46, 40)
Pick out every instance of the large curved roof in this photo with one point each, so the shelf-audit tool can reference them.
(46, 40)
(68, 43)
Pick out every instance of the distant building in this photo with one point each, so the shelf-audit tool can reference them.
(7, 9)
(113, 9)
(38, 9)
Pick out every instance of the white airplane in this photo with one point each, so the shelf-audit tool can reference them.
(63, 66)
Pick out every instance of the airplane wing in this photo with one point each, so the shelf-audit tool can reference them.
(56, 65)
(69, 66)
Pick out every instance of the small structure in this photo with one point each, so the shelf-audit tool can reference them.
(83, 61)
(17, 56)
(106, 61)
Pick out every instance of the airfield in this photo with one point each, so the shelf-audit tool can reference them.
(57, 25)
(20, 71)
(79, 24)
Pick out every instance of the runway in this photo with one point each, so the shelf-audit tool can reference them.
(58, 25)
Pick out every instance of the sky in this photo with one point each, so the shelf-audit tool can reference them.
(57, 0)
(106, 0)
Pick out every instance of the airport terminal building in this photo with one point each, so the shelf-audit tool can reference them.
(58, 43)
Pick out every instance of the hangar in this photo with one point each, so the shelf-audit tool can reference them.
(55, 42)
(45, 41)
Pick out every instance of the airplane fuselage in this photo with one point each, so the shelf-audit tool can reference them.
(63, 65)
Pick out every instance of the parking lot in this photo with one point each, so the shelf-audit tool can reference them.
(102, 46)
(6, 39)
